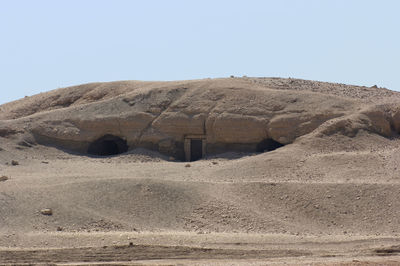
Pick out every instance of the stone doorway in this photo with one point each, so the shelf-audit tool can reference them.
(195, 147)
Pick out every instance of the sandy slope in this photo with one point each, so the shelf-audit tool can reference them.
(322, 199)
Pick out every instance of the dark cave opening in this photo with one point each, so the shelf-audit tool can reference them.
(196, 149)
(268, 145)
(108, 145)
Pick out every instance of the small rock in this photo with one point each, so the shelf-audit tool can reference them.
(187, 165)
(46, 211)
(59, 228)
(13, 162)
(3, 178)
(214, 162)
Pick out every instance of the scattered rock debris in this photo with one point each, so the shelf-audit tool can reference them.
(46, 211)
(101, 226)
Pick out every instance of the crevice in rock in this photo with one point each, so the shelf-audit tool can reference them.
(118, 118)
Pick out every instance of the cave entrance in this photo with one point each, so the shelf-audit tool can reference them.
(268, 145)
(108, 145)
(195, 147)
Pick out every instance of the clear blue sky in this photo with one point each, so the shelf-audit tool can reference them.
(45, 45)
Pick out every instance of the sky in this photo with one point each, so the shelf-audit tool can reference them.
(45, 45)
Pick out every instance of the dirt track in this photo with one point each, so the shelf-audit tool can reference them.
(123, 254)
(138, 252)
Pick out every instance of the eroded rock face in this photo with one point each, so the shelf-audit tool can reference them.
(227, 113)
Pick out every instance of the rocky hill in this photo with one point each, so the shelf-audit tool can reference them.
(236, 114)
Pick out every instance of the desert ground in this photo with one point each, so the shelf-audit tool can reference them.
(328, 196)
